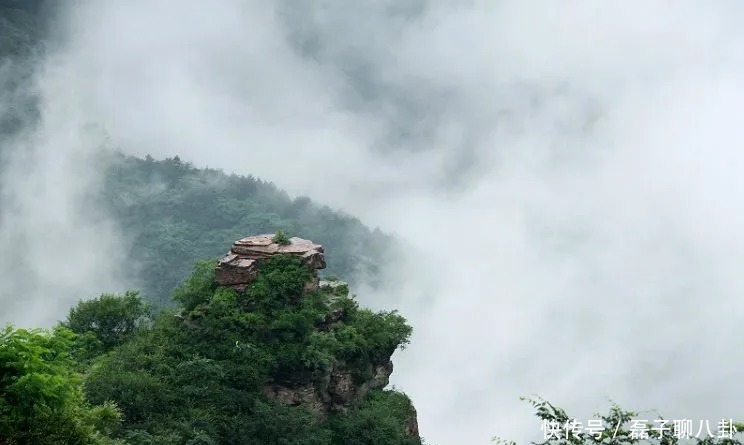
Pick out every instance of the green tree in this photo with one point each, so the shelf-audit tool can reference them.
(281, 238)
(41, 398)
(198, 374)
(112, 319)
(197, 288)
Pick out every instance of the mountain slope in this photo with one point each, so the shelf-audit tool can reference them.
(276, 364)
(173, 214)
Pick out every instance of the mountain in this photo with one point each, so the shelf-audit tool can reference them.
(283, 360)
(173, 214)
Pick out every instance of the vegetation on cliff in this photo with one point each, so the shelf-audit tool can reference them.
(198, 373)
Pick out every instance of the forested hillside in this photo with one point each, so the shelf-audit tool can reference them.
(172, 214)
(115, 373)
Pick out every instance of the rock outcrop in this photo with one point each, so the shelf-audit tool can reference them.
(337, 393)
(342, 384)
(238, 268)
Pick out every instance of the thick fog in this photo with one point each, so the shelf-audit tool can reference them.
(568, 171)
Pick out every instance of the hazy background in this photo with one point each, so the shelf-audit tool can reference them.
(569, 171)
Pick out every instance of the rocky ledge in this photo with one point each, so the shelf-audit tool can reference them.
(239, 267)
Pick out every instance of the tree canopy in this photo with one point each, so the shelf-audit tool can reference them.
(41, 396)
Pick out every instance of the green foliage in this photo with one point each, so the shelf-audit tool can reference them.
(198, 287)
(274, 424)
(192, 376)
(279, 284)
(106, 321)
(281, 238)
(197, 376)
(174, 215)
(383, 332)
(337, 287)
(617, 427)
(41, 401)
(381, 419)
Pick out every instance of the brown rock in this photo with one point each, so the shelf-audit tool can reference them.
(232, 269)
(305, 395)
(379, 380)
(239, 267)
(262, 246)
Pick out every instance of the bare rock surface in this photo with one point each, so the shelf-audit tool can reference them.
(238, 267)
(337, 394)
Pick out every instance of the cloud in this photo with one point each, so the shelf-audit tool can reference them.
(57, 247)
(567, 170)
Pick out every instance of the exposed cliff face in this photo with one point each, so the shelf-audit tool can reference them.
(337, 392)
(239, 267)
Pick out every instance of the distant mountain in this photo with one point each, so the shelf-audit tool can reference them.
(173, 214)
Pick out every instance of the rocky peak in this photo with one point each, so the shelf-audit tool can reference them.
(333, 383)
(238, 268)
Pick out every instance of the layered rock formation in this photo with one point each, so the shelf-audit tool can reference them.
(238, 268)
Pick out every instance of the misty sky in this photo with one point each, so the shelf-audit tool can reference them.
(568, 171)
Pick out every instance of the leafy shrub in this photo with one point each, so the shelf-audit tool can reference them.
(380, 419)
(198, 288)
(41, 397)
(281, 238)
(111, 319)
(280, 283)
